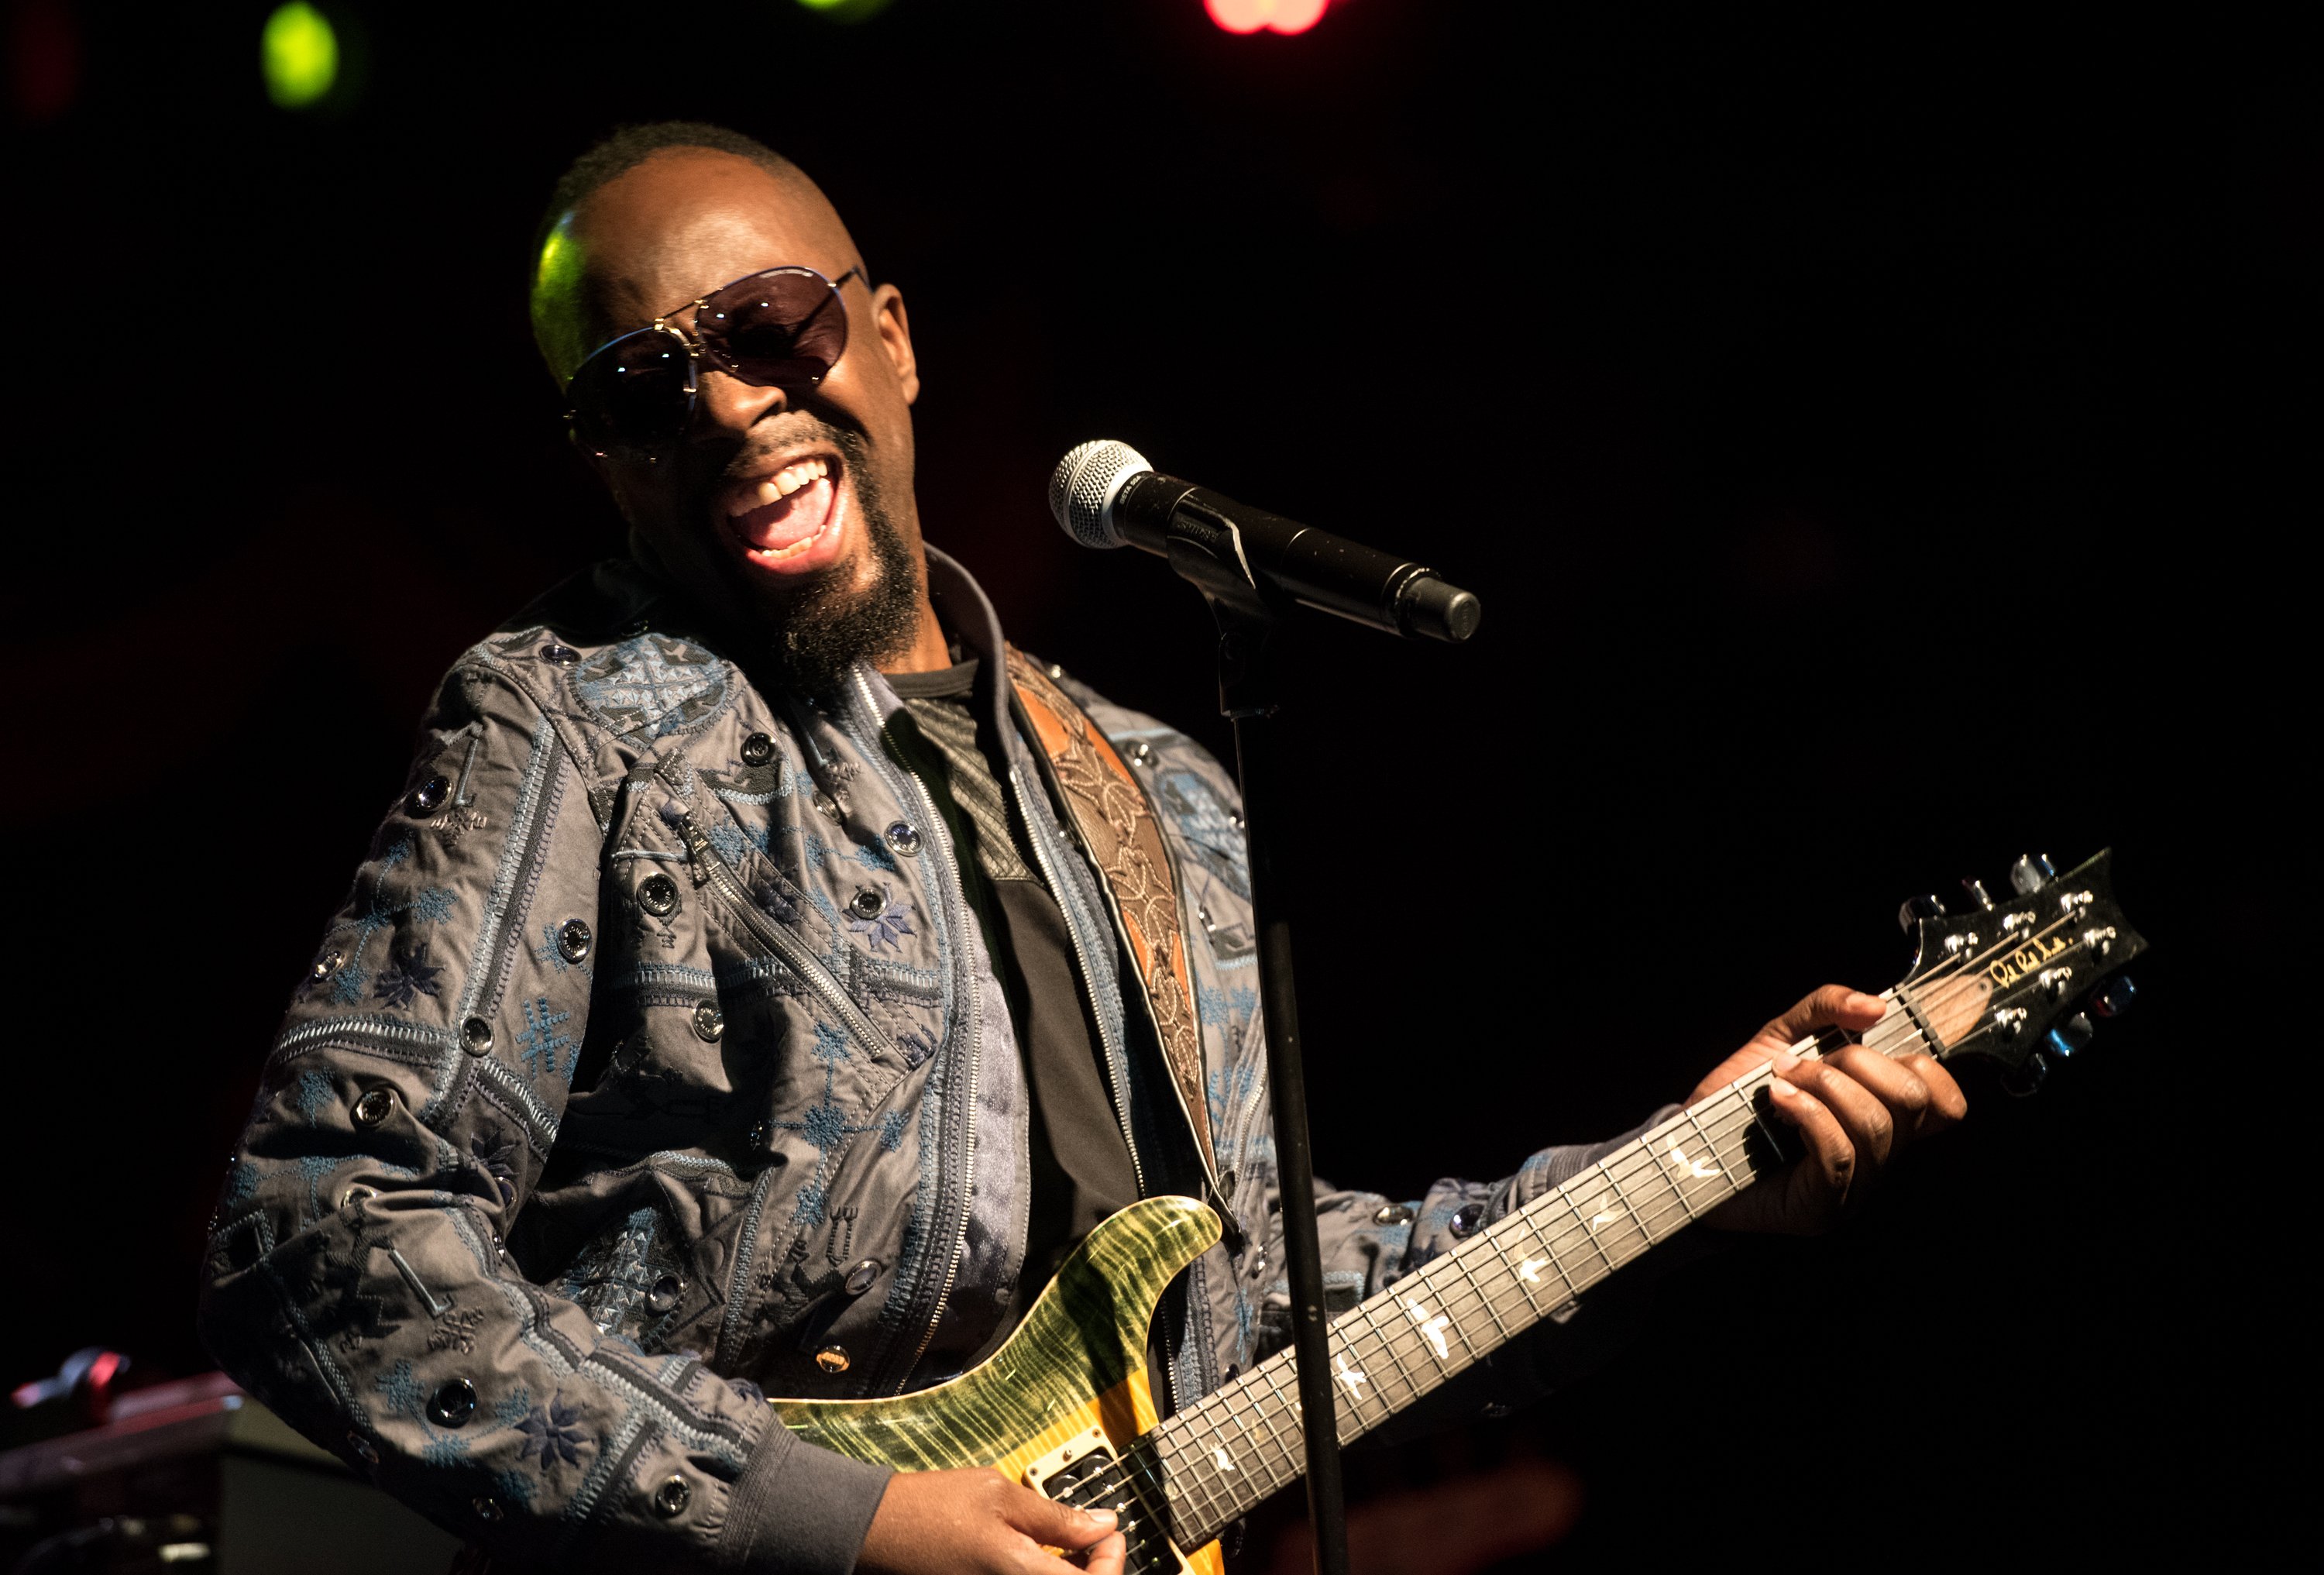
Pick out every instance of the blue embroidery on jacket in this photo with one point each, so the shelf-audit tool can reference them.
(315, 1091)
(538, 1042)
(893, 921)
(650, 684)
(552, 1434)
(553, 954)
(405, 978)
(731, 840)
(430, 905)
(826, 1125)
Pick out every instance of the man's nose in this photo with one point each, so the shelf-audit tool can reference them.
(730, 405)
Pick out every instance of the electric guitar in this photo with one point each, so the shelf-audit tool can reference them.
(1064, 1406)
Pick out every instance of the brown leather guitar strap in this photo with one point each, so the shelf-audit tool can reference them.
(1110, 811)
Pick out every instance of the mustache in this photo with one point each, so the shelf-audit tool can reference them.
(752, 458)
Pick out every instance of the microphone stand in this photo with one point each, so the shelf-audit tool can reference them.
(1208, 553)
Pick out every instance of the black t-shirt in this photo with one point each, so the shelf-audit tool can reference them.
(1081, 1166)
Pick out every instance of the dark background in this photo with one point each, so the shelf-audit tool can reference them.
(1866, 437)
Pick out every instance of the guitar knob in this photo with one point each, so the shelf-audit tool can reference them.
(2115, 998)
(2070, 1035)
(1917, 909)
(2031, 873)
(1976, 889)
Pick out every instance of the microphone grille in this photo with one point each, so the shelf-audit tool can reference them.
(1083, 488)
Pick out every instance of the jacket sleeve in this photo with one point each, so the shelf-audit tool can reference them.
(355, 1280)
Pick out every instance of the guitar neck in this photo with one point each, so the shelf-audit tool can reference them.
(1221, 1457)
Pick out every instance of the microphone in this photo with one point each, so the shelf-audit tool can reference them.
(1104, 495)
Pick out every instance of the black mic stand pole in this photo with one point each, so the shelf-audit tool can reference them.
(1208, 555)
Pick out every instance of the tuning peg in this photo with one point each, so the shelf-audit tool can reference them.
(2028, 1077)
(1976, 889)
(2030, 873)
(2115, 998)
(2070, 1035)
(1916, 909)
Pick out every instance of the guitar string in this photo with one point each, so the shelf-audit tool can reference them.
(1654, 1224)
(1462, 1293)
(1458, 1293)
(1935, 990)
(1632, 1170)
(1717, 1134)
(1638, 1162)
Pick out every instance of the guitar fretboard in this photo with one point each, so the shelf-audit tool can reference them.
(1221, 1457)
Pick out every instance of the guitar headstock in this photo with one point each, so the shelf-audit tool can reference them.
(2020, 981)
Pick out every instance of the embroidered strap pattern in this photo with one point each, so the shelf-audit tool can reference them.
(1118, 827)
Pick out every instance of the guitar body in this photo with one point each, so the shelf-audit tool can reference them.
(1074, 1366)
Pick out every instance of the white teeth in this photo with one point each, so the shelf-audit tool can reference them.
(788, 480)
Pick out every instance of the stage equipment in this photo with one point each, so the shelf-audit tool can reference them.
(1064, 1404)
(1104, 495)
(1251, 565)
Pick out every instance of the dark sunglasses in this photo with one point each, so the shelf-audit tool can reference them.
(785, 328)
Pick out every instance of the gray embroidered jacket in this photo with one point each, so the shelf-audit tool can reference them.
(654, 1065)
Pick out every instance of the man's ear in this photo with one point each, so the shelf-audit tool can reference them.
(895, 338)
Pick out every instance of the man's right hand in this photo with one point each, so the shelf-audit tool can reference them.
(980, 1523)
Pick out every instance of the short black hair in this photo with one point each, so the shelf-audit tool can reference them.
(628, 146)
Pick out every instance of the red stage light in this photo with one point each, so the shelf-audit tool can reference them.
(1277, 15)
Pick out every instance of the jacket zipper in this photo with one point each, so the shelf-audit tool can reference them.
(785, 945)
(941, 835)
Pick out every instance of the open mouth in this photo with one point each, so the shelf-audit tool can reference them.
(789, 521)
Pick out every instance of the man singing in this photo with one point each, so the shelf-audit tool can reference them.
(744, 996)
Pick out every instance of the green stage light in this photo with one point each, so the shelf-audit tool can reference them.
(298, 52)
(845, 10)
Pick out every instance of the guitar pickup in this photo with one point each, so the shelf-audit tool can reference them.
(1074, 1461)
(1077, 1472)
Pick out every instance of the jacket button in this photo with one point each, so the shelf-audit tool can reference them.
(831, 1358)
(573, 940)
(562, 655)
(829, 806)
(758, 750)
(658, 895)
(453, 1404)
(904, 839)
(476, 1036)
(1140, 754)
(373, 1108)
(361, 1448)
(327, 963)
(487, 1508)
(1465, 1219)
(357, 1194)
(868, 904)
(710, 1022)
(1392, 1214)
(670, 1500)
(862, 1277)
(665, 1294)
(428, 797)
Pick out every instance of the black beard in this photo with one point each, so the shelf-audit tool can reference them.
(828, 628)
